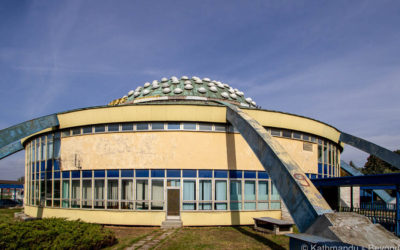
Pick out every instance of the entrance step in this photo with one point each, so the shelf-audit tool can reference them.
(171, 223)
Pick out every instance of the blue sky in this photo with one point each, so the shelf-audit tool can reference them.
(335, 61)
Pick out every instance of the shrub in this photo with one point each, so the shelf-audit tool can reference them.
(54, 233)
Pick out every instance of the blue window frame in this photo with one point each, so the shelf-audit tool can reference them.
(220, 174)
(57, 165)
(174, 125)
(205, 173)
(127, 173)
(42, 165)
(173, 173)
(57, 175)
(42, 175)
(76, 174)
(112, 173)
(99, 173)
(142, 173)
(65, 174)
(325, 169)
(250, 174)
(319, 168)
(33, 167)
(86, 174)
(189, 173)
(49, 166)
(235, 174)
(157, 173)
(262, 175)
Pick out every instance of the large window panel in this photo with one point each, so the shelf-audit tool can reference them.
(126, 194)
(56, 194)
(65, 193)
(142, 195)
(86, 193)
(274, 193)
(189, 194)
(250, 195)
(75, 194)
(157, 195)
(220, 195)
(99, 193)
(112, 194)
(236, 195)
(205, 194)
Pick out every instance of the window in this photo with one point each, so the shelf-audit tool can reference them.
(174, 126)
(189, 195)
(205, 192)
(87, 130)
(75, 194)
(275, 132)
(263, 195)
(99, 128)
(319, 153)
(236, 195)
(142, 126)
(205, 126)
(112, 194)
(220, 195)
(65, 193)
(86, 193)
(173, 183)
(286, 133)
(113, 127)
(296, 135)
(275, 204)
(66, 133)
(126, 194)
(157, 194)
(99, 193)
(157, 126)
(127, 126)
(189, 126)
(142, 195)
(48, 191)
(76, 131)
(306, 137)
(50, 146)
(250, 195)
(220, 127)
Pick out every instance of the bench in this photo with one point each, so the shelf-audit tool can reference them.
(271, 225)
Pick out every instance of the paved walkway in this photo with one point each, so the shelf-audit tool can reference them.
(152, 240)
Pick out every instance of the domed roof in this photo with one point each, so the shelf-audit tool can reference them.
(185, 89)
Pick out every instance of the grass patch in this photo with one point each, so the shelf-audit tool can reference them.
(128, 236)
(54, 233)
(224, 238)
(7, 215)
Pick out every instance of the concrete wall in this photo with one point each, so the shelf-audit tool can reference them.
(172, 149)
(345, 196)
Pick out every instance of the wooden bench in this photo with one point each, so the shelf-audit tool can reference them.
(271, 225)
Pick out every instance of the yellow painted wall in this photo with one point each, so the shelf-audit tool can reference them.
(218, 218)
(151, 218)
(171, 149)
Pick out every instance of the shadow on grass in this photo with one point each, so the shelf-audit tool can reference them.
(260, 238)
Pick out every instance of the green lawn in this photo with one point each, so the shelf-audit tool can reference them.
(7, 215)
(223, 238)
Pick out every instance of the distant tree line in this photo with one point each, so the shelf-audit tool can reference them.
(374, 165)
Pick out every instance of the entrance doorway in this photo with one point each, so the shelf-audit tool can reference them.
(173, 200)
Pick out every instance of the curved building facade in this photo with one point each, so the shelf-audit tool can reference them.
(164, 151)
